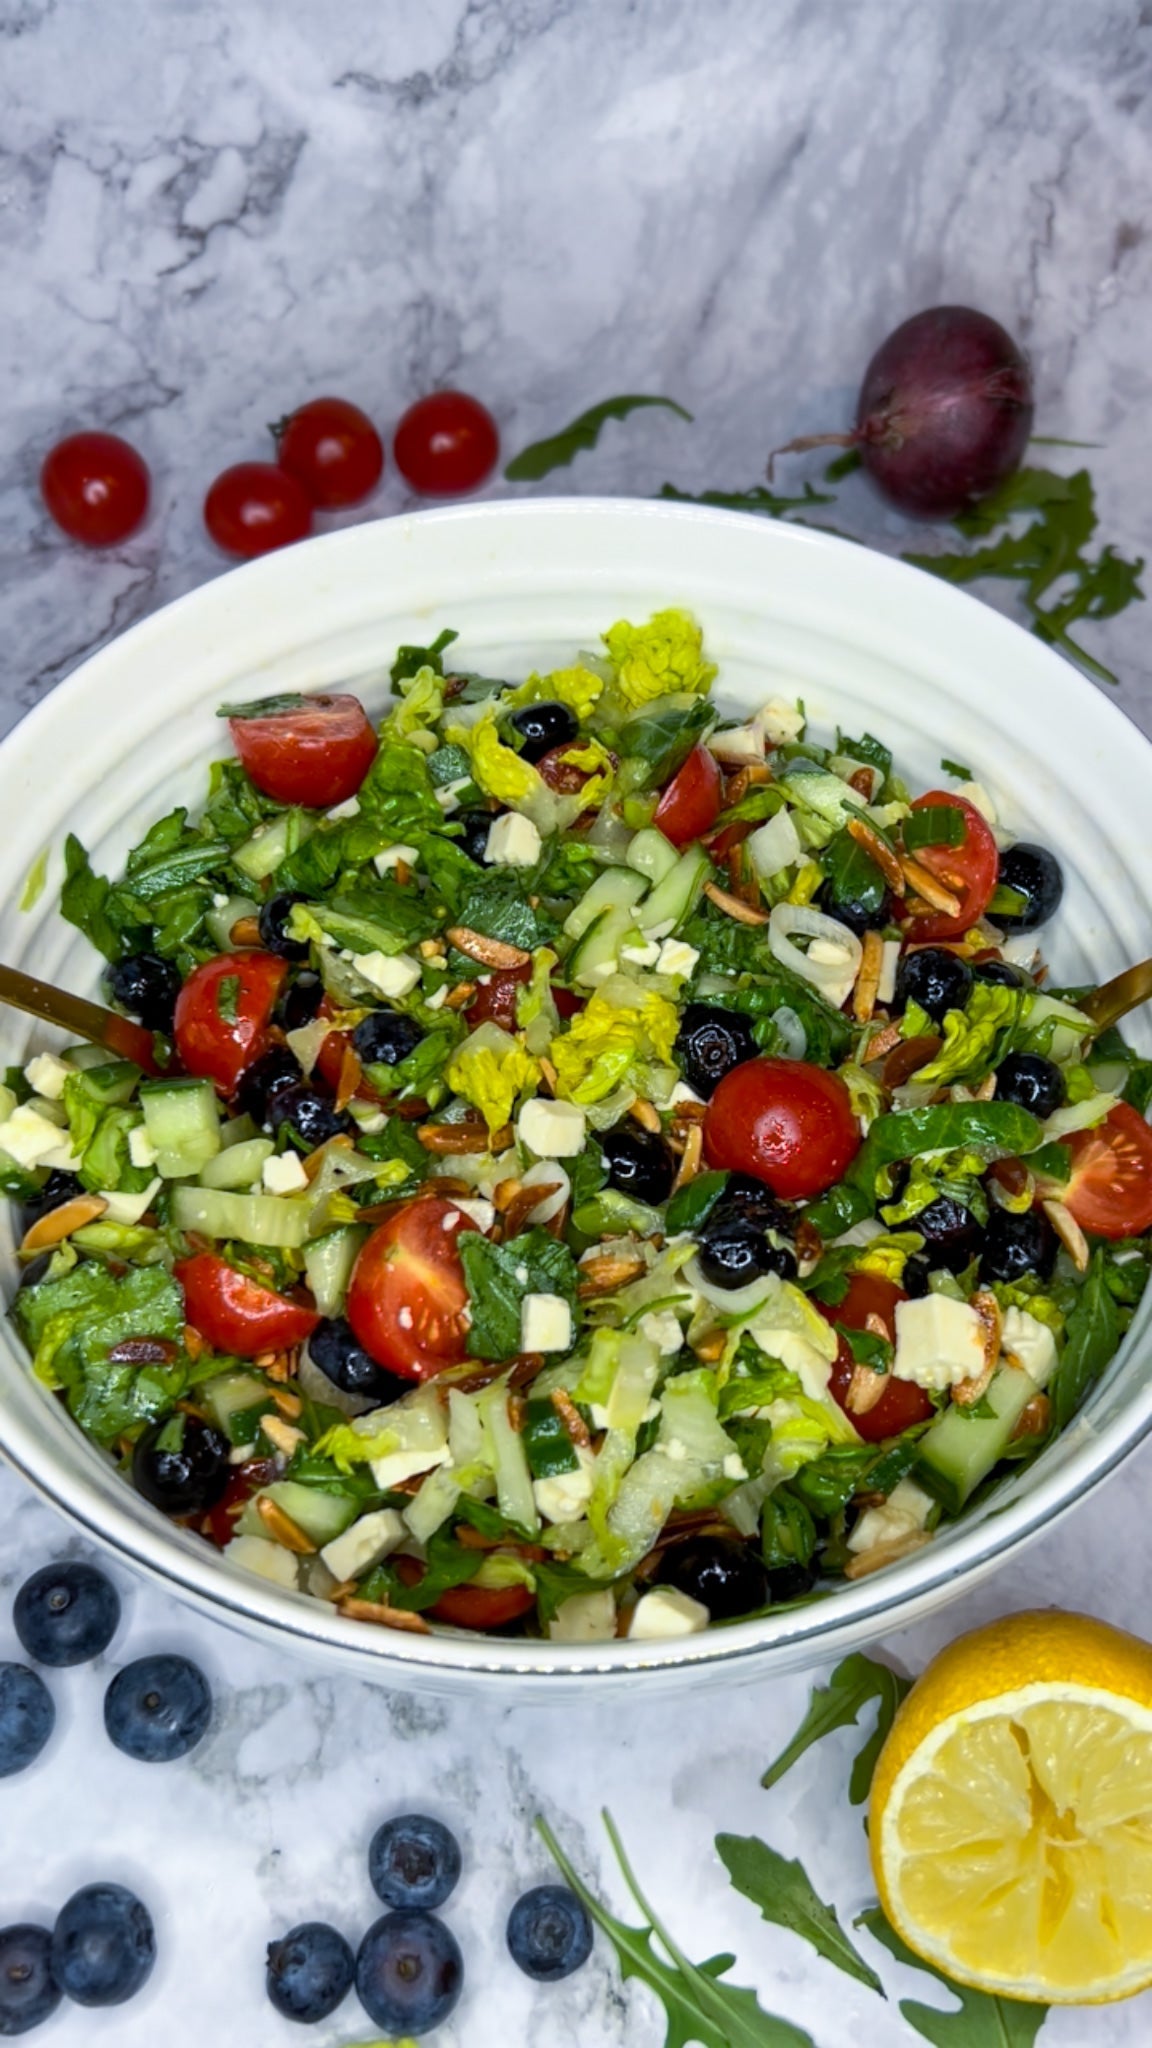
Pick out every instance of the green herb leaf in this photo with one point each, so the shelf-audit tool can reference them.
(935, 825)
(558, 450)
(853, 876)
(867, 1348)
(264, 707)
(497, 905)
(498, 1276)
(690, 1205)
(1090, 1340)
(957, 769)
(227, 996)
(410, 660)
(1006, 902)
(867, 748)
(767, 504)
(978, 2021)
(782, 1890)
(447, 1564)
(854, 1684)
(72, 1324)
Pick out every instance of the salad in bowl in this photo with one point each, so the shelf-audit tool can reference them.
(592, 1167)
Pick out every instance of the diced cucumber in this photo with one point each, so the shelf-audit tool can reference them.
(220, 919)
(269, 844)
(614, 889)
(357, 933)
(328, 1263)
(182, 1118)
(7, 1102)
(109, 1085)
(232, 1393)
(321, 1515)
(239, 1166)
(237, 1131)
(651, 854)
(674, 898)
(84, 1056)
(597, 951)
(430, 1508)
(278, 1220)
(960, 1449)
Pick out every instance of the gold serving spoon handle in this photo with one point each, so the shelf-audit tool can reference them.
(1113, 999)
(83, 1019)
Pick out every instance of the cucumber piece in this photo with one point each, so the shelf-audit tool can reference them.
(220, 920)
(596, 953)
(674, 899)
(651, 854)
(328, 1263)
(357, 933)
(278, 1220)
(110, 1085)
(182, 1118)
(514, 1494)
(960, 1450)
(238, 1166)
(85, 1056)
(233, 1393)
(320, 1514)
(614, 889)
(236, 1131)
(269, 844)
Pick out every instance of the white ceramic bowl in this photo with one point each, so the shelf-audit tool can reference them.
(865, 641)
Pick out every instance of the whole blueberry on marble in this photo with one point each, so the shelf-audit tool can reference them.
(310, 1971)
(158, 1708)
(29, 1992)
(409, 1972)
(103, 1945)
(549, 1933)
(66, 1613)
(413, 1862)
(27, 1717)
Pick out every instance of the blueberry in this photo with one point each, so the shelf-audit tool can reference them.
(147, 987)
(939, 981)
(275, 1069)
(861, 913)
(312, 1116)
(710, 1042)
(1038, 877)
(66, 1613)
(27, 1717)
(639, 1163)
(549, 1933)
(915, 1280)
(299, 1001)
(310, 1972)
(103, 1945)
(274, 914)
(413, 1861)
(542, 727)
(157, 1708)
(732, 1250)
(473, 836)
(744, 1195)
(29, 1992)
(1000, 974)
(726, 1577)
(1033, 1082)
(952, 1235)
(385, 1037)
(1016, 1245)
(181, 1465)
(36, 1270)
(58, 1188)
(409, 1973)
(791, 1582)
(343, 1360)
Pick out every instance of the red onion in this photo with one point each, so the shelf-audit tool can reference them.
(944, 412)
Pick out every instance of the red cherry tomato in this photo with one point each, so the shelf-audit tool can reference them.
(902, 1402)
(96, 488)
(233, 1313)
(406, 1298)
(333, 449)
(970, 871)
(219, 1524)
(691, 803)
(255, 507)
(223, 1012)
(495, 999)
(789, 1123)
(446, 444)
(315, 753)
(483, 1607)
(1110, 1189)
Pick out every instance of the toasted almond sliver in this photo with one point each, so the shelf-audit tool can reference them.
(1033, 1419)
(929, 888)
(1069, 1232)
(966, 1393)
(280, 1434)
(351, 1074)
(503, 1194)
(864, 834)
(460, 995)
(732, 906)
(464, 1137)
(691, 1157)
(489, 952)
(881, 1044)
(986, 1090)
(288, 1403)
(548, 1076)
(384, 1616)
(711, 1347)
(245, 932)
(991, 1316)
(882, 1554)
(864, 1389)
(603, 1273)
(60, 1223)
(575, 1427)
(524, 1201)
(646, 1115)
(281, 1528)
(868, 979)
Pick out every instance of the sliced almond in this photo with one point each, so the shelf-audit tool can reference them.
(711, 1347)
(527, 1367)
(986, 1090)
(882, 1554)
(575, 1427)
(646, 1115)
(868, 979)
(691, 1157)
(992, 1320)
(193, 1342)
(907, 1058)
(503, 1194)
(753, 775)
(464, 1137)
(288, 1404)
(548, 1076)
(281, 1528)
(888, 863)
(143, 1351)
(457, 997)
(864, 1389)
(604, 1272)
(1069, 1232)
(966, 1393)
(245, 932)
(926, 885)
(861, 780)
(808, 1241)
(430, 949)
(403, 873)
(1034, 1419)
(60, 1223)
(489, 952)
(384, 1616)
(732, 906)
(882, 1043)
(351, 1075)
(524, 1201)
(281, 1435)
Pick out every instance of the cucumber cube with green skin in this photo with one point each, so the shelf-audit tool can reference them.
(182, 1118)
(320, 1515)
(328, 1263)
(961, 1449)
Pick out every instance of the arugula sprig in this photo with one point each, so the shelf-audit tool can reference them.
(979, 2021)
(558, 450)
(783, 1891)
(854, 1684)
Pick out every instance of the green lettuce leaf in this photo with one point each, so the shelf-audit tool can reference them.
(498, 1276)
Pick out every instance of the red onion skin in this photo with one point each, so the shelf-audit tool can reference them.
(945, 411)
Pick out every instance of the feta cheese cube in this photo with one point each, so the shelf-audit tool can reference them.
(47, 1075)
(389, 1470)
(513, 841)
(478, 1211)
(129, 1209)
(774, 845)
(738, 747)
(645, 953)
(284, 1174)
(779, 721)
(394, 974)
(662, 1329)
(734, 1466)
(889, 961)
(683, 1093)
(31, 1139)
(268, 1560)
(562, 1498)
(939, 1342)
(904, 1513)
(676, 957)
(141, 1150)
(667, 1612)
(392, 856)
(585, 1618)
(1030, 1343)
(551, 1129)
(350, 808)
(438, 997)
(545, 1323)
(362, 1546)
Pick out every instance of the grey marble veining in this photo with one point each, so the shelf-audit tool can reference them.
(208, 213)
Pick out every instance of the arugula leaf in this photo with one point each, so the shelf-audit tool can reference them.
(235, 806)
(1091, 1336)
(867, 748)
(853, 876)
(86, 900)
(854, 1684)
(690, 1205)
(768, 504)
(410, 660)
(447, 1563)
(979, 2021)
(957, 769)
(698, 2007)
(498, 1276)
(935, 825)
(498, 906)
(784, 1894)
(654, 744)
(558, 450)
(787, 1530)
(397, 793)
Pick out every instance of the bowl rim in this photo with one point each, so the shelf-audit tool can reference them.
(445, 1660)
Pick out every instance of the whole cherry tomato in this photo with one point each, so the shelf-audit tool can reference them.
(255, 507)
(446, 444)
(223, 1012)
(407, 1298)
(313, 751)
(788, 1123)
(333, 449)
(691, 803)
(233, 1313)
(96, 487)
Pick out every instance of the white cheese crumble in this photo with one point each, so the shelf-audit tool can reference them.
(677, 958)
(1030, 1343)
(545, 1323)
(47, 1074)
(513, 841)
(284, 1174)
(129, 1209)
(662, 1329)
(394, 974)
(667, 1612)
(362, 1546)
(905, 1511)
(939, 1342)
(141, 1150)
(478, 1211)
(889, 962)
(551, 1129)
(563, 1496)
(392, 856)
(33, 1140)
(585, 1618)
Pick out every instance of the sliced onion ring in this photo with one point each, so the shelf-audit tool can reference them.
(833, 983)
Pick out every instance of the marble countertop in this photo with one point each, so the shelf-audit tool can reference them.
(209, 213)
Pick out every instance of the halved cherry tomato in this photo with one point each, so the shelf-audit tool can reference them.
(219, 1524)
(969, 871)
(691, 803)
(495, 999)
(902, 1402)
(223, 1012)
(407, 1298)
(483, 1607)
(789, 1123)
(233, 1313)
(315, 752)
(1110, 1189)
(567, 778)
